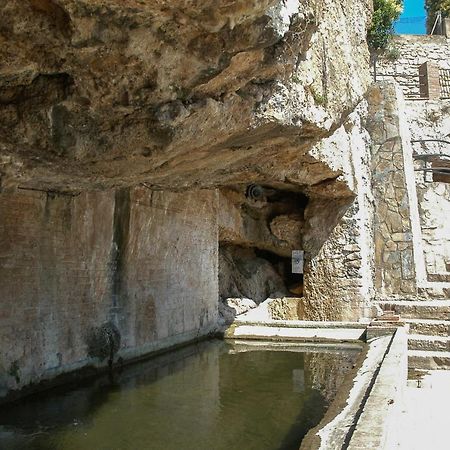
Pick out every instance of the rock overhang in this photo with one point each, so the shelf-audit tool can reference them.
(175, 94)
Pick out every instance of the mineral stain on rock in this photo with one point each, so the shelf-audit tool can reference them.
(121, 227)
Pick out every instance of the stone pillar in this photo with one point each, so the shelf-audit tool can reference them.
(394, 257)
(429, 81)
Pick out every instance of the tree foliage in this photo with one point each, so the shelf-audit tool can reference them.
(433, 7)
(385, 13)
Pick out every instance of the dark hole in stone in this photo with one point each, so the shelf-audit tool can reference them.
(293, 281)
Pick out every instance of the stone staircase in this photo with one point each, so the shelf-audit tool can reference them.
(429, 336)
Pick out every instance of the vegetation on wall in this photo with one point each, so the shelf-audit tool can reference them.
(386, 12)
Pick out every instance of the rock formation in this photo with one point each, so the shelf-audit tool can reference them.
(151, 149)
(175, 94)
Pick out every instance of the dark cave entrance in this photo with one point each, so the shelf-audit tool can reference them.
(259, 228)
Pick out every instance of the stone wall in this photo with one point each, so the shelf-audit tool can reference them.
(394, 252)
(375, 251)
(409, 52)
(431, 120)
(338, 280)
(429, 206)
(143, 262)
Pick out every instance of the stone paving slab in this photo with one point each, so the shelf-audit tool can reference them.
(423, 422)
(436, 309)
(260, 332)
(427, 342)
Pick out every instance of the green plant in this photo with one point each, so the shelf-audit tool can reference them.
(385, 13)
(320, 99)
(392, 53)
(296, 78)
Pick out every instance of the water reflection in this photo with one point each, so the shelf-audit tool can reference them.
(207, 396)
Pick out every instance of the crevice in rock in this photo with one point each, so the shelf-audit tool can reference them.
(55, 14)
(121, 225)
(247, 273)
(44, 90)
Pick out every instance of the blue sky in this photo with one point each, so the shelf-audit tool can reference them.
(412, 21)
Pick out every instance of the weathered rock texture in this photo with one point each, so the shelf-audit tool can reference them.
(144, 262)
(176, 94)
(394, 260)
(339, 279)
(274, 223)
(244, 274)
(170, 95)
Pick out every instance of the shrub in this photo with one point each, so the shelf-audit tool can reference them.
(385, 13)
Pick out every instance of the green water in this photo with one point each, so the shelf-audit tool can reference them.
(208, 396)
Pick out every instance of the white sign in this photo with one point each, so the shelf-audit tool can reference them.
(298, 257)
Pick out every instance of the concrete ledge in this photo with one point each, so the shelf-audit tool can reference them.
(428, 342)
(381, 409)
(429, 360)
(242, 345)
(335, 429)
(428, 326)
(435, 309)
(362, 416)
(368, 414)
(302, 334)
(300, 323)
(93, 367)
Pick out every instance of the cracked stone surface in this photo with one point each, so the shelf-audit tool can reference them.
(176, 94)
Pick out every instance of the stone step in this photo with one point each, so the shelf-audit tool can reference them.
(415, 299)
(434, 309)
(424, 342)
(304, 334)
(428, 326)
(428, 360)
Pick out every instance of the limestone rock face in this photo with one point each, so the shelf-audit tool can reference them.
(175, 93)
(244, 275)
(274, 226)
(229, 308)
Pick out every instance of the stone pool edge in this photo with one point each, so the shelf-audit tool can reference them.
(364, 412)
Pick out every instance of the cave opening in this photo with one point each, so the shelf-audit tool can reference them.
(260, 229)
(283, 266)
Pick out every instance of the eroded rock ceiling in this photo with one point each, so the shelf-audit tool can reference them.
(175, 94)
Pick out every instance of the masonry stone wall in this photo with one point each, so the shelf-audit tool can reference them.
(338, 280)
(431, 120)
(408, 54)
(143, 262)
(397, 228)
(421, 119)
(393, 240)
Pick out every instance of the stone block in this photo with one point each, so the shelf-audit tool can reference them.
(408, 271)
(401, 237)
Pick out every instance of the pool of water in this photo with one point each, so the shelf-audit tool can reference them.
(213, 395)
